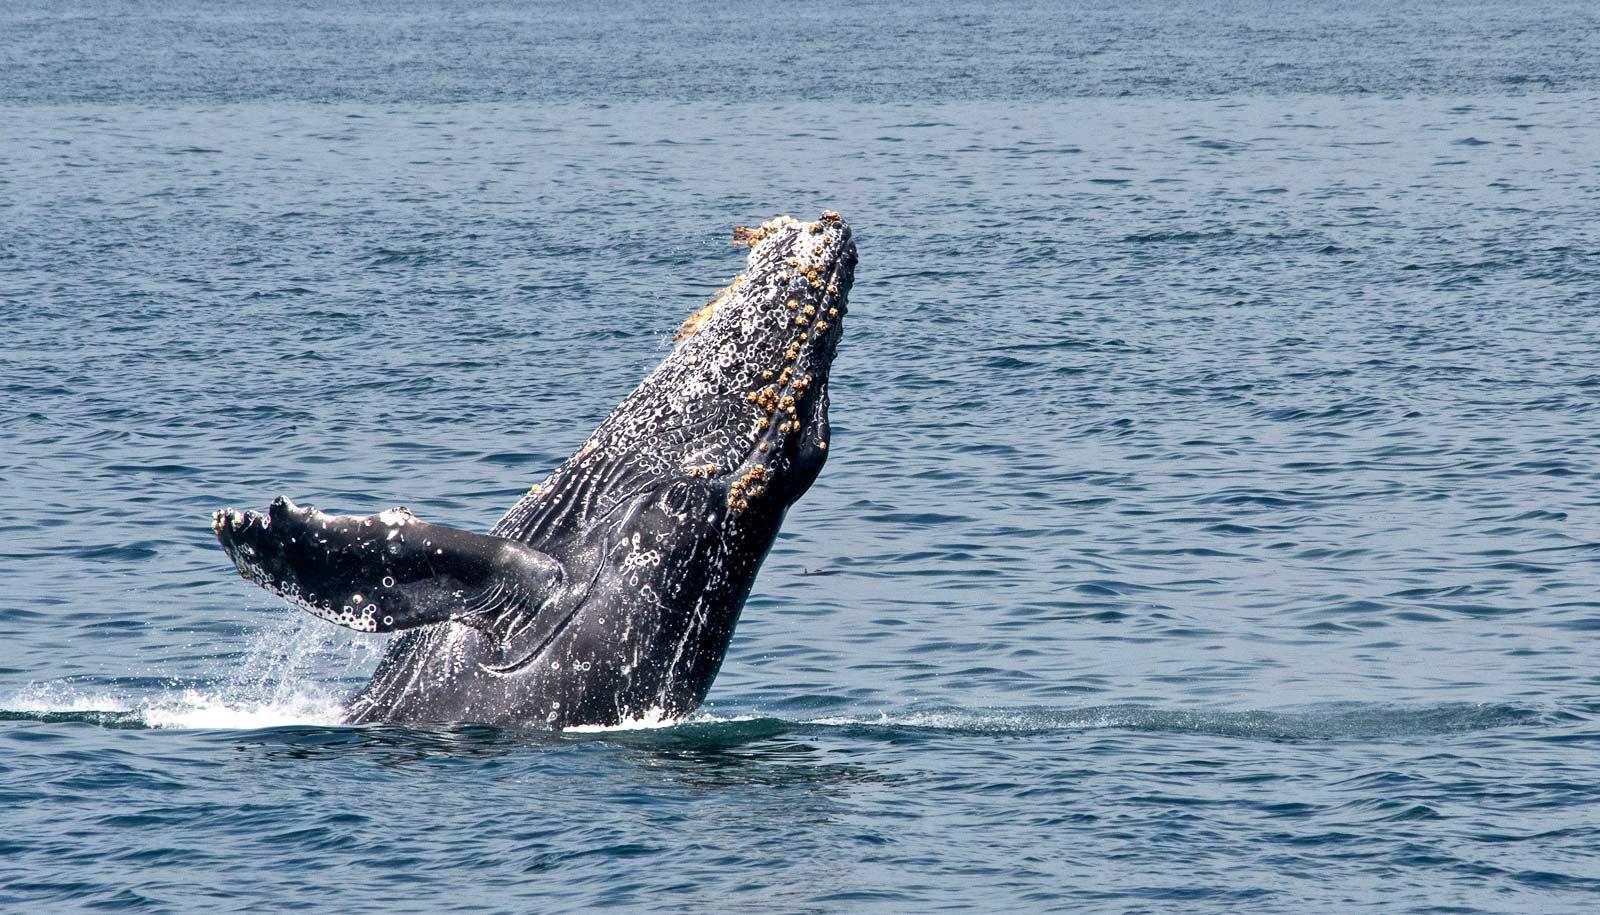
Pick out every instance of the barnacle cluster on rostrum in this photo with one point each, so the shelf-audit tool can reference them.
(780, 388)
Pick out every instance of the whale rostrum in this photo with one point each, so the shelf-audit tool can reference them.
(610, 591)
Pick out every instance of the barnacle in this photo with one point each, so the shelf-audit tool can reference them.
(746, 487)
(766, 398)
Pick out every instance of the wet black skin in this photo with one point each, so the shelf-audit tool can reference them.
(610, 592)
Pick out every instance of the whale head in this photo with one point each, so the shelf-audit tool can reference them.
(744, 396)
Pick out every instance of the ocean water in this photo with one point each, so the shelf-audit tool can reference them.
(1212, 520)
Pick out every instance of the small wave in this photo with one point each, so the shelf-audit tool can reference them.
(200, 710)
(39, 704)
(43, 700)
(197, 709)
(288, 675)
(188, 709)
(1334, 722)
(1342, 721)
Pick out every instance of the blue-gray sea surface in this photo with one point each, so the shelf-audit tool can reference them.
(1212, 522)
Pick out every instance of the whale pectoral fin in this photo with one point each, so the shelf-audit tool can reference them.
(389, 571)
(478, 580)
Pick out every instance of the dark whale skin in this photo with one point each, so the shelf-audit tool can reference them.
(609, 593)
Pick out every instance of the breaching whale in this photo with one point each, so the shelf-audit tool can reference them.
(610, 591)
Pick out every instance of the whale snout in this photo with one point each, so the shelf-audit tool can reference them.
(801, 272)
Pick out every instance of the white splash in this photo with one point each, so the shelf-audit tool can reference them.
(655, 719)
(44, 699)
(289, 675)
(211, 711)
(650, 720)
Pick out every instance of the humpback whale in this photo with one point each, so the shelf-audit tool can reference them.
(610, 591)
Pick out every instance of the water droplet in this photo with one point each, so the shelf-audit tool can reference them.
(388, 581)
